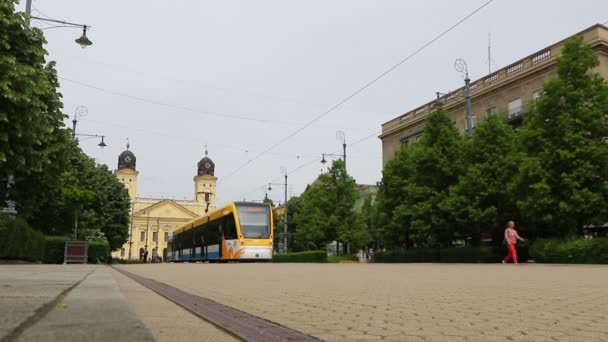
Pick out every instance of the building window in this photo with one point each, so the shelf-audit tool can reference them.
(515, 107)
(491, 111)
(154, 236)
(405, 142)
(536, 95)
(166, 236)
(142, 236)
(122, 252)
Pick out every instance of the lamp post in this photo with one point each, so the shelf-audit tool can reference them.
(83, 40)
(342, 137)
(284, 171)
(80, 112)
(147, 231)
(131, 235)
(461, 66)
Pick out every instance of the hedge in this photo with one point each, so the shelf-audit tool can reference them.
(54, 249)
(575, 251)
(308, 256)
(98, 252)
(342, 258)
(466, 254)
(19, 241)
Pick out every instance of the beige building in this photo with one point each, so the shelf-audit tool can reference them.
(153, 219)
(508, 90)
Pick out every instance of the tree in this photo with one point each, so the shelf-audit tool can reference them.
(30, 106)
(562, 184)
(411, 208)
(327, 211)
(481, 201)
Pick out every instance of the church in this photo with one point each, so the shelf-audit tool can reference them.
(152, 220)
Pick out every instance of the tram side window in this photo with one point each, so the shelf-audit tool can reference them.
(211, 234)
(199, 239)
(229, 228)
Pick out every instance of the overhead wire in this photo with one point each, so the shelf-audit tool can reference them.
(170, 105)
(361, 89)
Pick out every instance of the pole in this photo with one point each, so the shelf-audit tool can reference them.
(131, 235)
(147, 231)
(469, 106)
(344, 152)
(157, 234)
(28, 12)
(285, 213)
(74, 127)
(76, 224)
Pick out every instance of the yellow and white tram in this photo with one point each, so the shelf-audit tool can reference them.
(237, 231)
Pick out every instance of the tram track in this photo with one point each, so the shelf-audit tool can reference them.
(235, 322)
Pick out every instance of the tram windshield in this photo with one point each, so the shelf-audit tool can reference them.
(254, 220)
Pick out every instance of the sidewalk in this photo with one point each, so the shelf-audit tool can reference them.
(67, 303)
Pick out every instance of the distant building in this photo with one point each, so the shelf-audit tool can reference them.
(508, 90)
(365, 191)
(152, 220)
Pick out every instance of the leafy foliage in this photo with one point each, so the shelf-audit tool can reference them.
(327, 213)
(550, 176)
(579, 251)
(30, 106)
(54, 181)
(562, 185)
(307, 256)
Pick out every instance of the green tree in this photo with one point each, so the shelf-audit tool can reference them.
(416, 183)
(481, 201)
(562, 184)
(327, 211)
(30, 106)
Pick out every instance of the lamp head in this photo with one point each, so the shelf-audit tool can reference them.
(83, 41)
(102, 144)
(323, 161)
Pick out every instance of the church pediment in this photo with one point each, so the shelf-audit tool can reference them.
(166, 208)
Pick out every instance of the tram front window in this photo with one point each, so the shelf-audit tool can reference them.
(255, 221)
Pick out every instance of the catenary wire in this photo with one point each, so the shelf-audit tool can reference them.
(360, 90)
(169, 105)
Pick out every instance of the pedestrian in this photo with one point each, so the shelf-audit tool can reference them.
(511, 238)
(145, 256)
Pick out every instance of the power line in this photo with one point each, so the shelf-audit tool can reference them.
(313, 161)
(169, 105)
(367, 85)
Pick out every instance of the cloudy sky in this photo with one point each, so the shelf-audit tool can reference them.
(241, 76)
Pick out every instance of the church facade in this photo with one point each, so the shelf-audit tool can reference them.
(152, 220)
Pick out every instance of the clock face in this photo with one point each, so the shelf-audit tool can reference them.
(207, 165)
(128, 159)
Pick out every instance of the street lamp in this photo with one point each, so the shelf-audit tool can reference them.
(80, 112)
(461, 66)
(284, 171)
(83, 41)
(207, 193)
(342, 137)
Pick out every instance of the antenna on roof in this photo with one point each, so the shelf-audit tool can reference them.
(489, 54)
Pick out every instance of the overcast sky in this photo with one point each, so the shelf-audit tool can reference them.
(240, 76)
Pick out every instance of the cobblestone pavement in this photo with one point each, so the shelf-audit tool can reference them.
(408, 302)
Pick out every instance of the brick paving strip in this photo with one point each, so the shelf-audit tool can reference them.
(236, 322)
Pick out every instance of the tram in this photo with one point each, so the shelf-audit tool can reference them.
(236, 231)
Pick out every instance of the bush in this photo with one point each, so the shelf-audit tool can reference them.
(19, 241)
(99, 252)
(342, 258)
(308, 256)
(466, 254)
(576, 251)
(54, 249)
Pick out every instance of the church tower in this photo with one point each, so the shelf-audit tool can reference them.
(127, 173)
(205, 183)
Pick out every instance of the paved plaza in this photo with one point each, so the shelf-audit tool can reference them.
(408, 302)
(332, 302)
